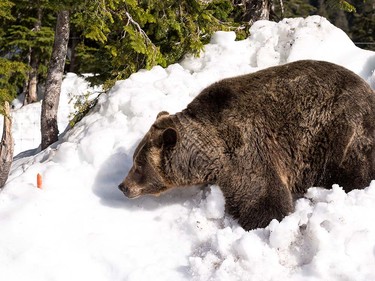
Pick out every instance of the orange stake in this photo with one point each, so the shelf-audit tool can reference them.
(39, 180)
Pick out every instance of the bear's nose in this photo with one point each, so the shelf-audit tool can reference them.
(124, 189)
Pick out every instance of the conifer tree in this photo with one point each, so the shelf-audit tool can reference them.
(24, 43)
(362, 23)
(31, 90)
(6, 66)
(5, 9)
(6, 73)
(123, 37)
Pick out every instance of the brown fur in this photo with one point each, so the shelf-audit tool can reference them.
(264, 138)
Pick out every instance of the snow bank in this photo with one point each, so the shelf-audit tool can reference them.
(312, 38)
(80, 226)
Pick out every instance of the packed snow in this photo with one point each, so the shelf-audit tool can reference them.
(79, 226)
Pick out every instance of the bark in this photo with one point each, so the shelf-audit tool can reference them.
(49, 130)
(31, 93)
(257, 10)
(6, 147)
(73, 54)
(25, 88)
(281, 2)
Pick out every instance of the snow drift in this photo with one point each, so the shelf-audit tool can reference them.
(80, 226)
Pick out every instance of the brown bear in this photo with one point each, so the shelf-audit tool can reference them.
(264, 138)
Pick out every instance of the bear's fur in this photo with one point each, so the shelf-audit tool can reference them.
(264, 138)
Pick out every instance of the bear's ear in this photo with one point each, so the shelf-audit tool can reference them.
(169, 137)
(162, 113)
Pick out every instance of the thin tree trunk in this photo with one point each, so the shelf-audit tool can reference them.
(73, 53)
(25, 88)
(31, 95)
(49, 129)
(257, 10)
(6, 147)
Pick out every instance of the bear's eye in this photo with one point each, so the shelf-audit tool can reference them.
(138, 169)
(138, 173)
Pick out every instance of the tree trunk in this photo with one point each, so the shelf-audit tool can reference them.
(257, 10)
(49, 129)
(73, 54)
(6, 147)
(31, 94)
(25, 88)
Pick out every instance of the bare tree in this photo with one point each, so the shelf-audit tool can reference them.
(31, 92)
(49, 129)
(255, 9)
(6, 147)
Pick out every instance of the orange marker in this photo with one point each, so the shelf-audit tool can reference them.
(39, 180)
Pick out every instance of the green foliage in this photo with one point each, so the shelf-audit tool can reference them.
(363, 24)
(5, 9)
(20, 38)
(12, 75)
(340, 4)
(113, 38)
(123, 36)
(17, 38)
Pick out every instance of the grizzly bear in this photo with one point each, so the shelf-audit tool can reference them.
(264, 138)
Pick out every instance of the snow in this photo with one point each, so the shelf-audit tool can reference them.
(26, 120)
(79, 226)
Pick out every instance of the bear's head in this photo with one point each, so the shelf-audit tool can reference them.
(147, 175)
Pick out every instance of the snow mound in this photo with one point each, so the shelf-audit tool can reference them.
(330, 236)
(79, 226)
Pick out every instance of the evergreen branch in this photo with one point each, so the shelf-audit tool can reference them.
(139, 28)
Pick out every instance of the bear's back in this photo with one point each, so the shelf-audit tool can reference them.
(304, 91)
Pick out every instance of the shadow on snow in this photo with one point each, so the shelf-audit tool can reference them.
(113, 172)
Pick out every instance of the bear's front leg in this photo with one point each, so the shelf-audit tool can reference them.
(256, 202)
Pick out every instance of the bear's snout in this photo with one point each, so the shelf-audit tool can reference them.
(128, 191)
(124, 189)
